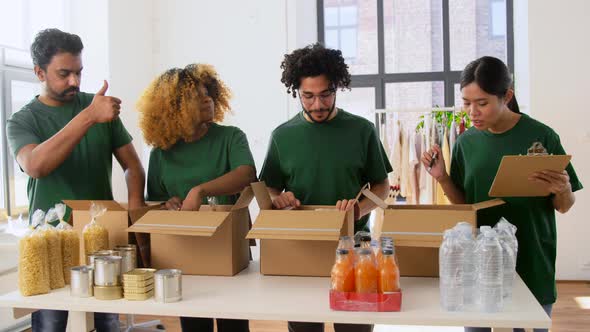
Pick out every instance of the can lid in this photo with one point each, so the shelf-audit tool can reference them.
(107, 259)
(168, 273)
(83, 269)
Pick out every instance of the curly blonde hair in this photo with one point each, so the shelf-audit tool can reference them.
(169, 106)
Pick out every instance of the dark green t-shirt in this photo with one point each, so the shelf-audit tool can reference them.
(174, 172)
(86, 173)
(476, 158)
(322, 163)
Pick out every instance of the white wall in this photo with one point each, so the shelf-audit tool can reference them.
(559, 81)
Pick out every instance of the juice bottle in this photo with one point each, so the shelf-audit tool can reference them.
(366, 274)
(388, 273)
(343, 272)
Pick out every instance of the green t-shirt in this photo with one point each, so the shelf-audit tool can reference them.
(476, 158)
(174, 172)
(86, 173)
(322, 163)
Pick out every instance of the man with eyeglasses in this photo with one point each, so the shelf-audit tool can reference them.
(323, 155)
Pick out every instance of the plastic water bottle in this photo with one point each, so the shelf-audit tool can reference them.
(507, 237)
(490, 277)
(451, 271)
(469, 263)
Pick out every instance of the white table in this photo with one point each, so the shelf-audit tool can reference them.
(250, 295)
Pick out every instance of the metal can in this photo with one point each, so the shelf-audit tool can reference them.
(129, 255)
(107, 270)
(108, 292)
(168, 285)
(102, 253)
(82, 281)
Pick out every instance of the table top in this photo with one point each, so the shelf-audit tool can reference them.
(250, 295)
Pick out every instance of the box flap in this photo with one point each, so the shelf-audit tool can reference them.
(135, 214)
(245, 198)
(487, 204)
(324, 225)
(85, 205)
(192, 223)
(262, 195)
(374, 198)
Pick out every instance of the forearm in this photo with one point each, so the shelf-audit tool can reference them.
(230, 183)
(135, 178)
(381, 189)
(563, 201)
(47, 156)
(453, 193)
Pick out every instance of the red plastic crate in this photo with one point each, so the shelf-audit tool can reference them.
(344, 301)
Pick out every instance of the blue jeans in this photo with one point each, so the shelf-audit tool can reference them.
(56, 321)
(546, 307)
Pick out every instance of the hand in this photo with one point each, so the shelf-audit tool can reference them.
(556, 182)
(193, 200)
(286, 199)
(104, 108)
(173, 203)
(438, 170)
(350, 204)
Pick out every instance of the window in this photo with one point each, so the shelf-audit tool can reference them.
(410, 53)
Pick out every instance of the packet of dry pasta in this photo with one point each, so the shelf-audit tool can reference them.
(70, 243)
(56, 271)
(33, 261)
(96, 236)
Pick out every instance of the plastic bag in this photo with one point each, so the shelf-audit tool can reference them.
(18, 227)
(96, 236)
(33, 261)
(56, 271)
(70, 243)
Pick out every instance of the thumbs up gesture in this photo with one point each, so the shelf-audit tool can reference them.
(104, 108)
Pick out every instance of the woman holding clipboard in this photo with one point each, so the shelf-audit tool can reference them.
(499, 129)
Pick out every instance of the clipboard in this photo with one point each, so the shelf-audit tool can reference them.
(512, 178)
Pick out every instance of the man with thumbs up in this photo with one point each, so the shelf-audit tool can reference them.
(64, 140)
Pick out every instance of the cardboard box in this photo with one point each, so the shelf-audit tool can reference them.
(203, 242)
(417, 231)
(115, 219)
(299, 242)
(351, 301)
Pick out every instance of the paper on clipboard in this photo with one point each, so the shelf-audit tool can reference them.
(512, 178)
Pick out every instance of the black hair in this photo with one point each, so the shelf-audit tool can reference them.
(50, 42)
(311, 61)
(492, 76)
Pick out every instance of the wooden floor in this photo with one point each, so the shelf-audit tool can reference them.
(567, 315)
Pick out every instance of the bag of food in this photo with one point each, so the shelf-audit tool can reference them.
(70, 243)
(56, 271)
(33, 261)
(96, 236)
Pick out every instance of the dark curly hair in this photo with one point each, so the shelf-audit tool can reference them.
(314, 60)
(50, 42)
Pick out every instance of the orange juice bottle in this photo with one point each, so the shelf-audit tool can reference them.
(388, 273)
(366, 274)
(343, 272)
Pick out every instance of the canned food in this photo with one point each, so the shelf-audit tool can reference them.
(108, 292)
(107, 270)
(82, 281)
(102, 253)
(139, 275)
(168, 285)
(138, 290)
(139, 297)
(138, 284)
(129, 259)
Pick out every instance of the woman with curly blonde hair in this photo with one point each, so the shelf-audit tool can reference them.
(194, 157)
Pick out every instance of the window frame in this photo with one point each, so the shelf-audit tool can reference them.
(447, 75)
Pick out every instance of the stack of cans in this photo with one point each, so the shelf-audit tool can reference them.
(138, 284)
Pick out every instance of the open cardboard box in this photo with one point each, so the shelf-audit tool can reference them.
(115, 220)
(204, 242)
(417, 231)
(300, 242)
